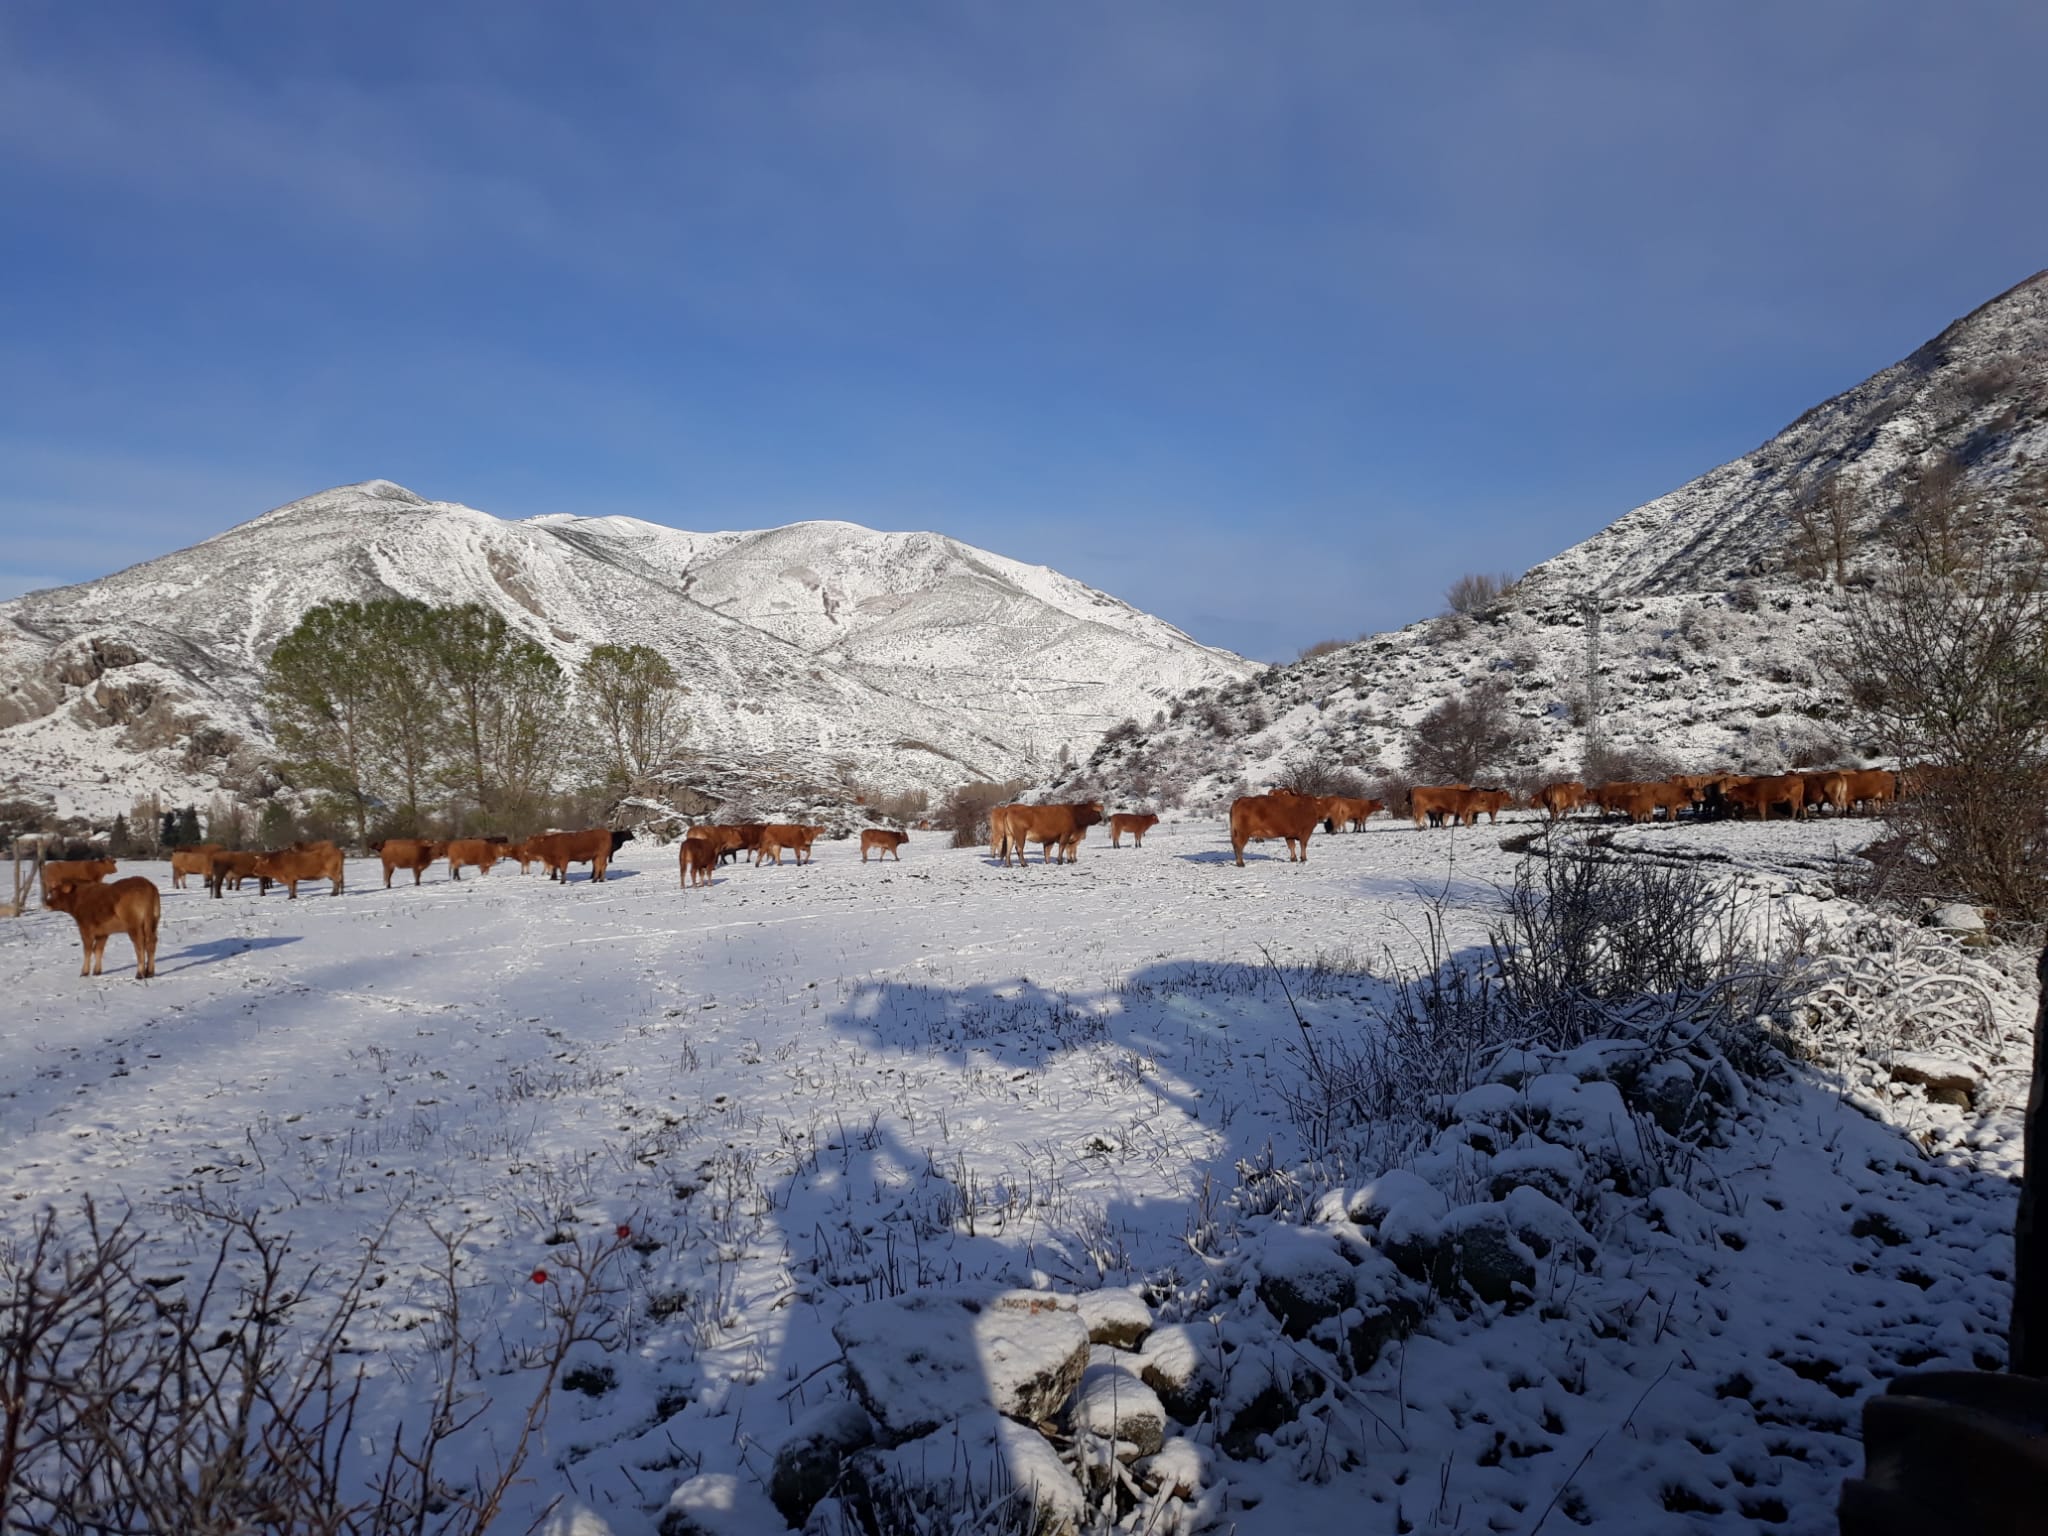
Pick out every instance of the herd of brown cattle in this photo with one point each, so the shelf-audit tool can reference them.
(708, 843)
(133, 906)
(1836, 790)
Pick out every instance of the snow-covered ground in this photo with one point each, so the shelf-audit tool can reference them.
(807, 1089)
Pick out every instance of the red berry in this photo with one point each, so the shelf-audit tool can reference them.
(624, 1230)
(540, 1277)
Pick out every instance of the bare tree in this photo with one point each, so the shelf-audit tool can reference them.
(1311, 772)
(1469, 737)
(1949, 671)
(1823, 531)
(228, 1408)
(1940, 525)
(1477, 591)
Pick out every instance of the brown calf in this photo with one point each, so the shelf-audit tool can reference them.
(132, 906)
(225, 867)
(1136, 826)
(696, 861)
(885, 843)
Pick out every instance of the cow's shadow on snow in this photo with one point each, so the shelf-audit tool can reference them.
(213, 951)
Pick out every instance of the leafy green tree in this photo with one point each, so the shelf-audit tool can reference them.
(409, 716)
(631, 698)
(320, 687)
(504, 695)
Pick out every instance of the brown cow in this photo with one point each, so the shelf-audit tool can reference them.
(1436, 801)
(696, 861)
(225, 866)
(76, 871)
(1715, 795)
(1254, 818)
(1349, 811)
(1828, 788)
(413, 853)
(289, 865)
(1559, 799)
(724, 841)
(1046, 825)
(779, 835)
(132, 906)
(479, 853)
(885, 843)
(1137, 826)
(1474, 802)
(746, 838)
(1870, 787)
(1760, 794)
(999, 831)
(594, 846)
(191, 861)
(520, 853)
(321, 861)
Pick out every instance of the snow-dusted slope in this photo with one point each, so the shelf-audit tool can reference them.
(918, 660)
(1715, 614)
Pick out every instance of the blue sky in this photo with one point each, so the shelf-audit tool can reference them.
(1271, 319)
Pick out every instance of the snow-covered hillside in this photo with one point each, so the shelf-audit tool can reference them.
(1716, 610)
(816, 652)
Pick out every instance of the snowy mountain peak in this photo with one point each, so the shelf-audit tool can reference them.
(814, 653)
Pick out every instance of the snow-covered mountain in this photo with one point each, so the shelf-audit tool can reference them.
(1716, 603)
(821, 651)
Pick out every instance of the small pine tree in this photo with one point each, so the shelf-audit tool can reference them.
(167, 833)
(120, 842)
(188, 827)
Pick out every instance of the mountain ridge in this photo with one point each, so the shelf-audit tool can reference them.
(1717, 601)
(835, 651)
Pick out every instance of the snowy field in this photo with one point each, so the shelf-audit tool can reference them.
(807, 1089)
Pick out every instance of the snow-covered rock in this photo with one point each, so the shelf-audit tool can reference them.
(1943, 1079)
(1115, 1405)
(717, 1504)
(1303, 1278)
(1183, 1363)
(808, 1463)
(1116, 1316)
(931, 1357)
